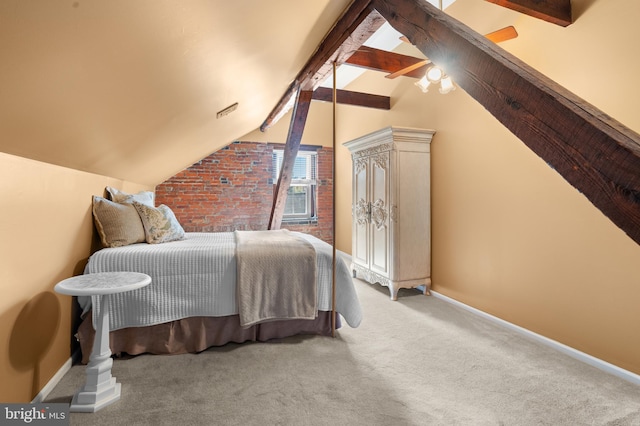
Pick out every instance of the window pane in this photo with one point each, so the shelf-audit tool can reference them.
(276, 164)
(304, 166)
(296, 200)
(300, 168)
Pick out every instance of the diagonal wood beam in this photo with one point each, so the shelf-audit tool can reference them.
(352, 98)
(595, 153)
(353, 28)
(554, 11)
(296, 128)
(365, 29)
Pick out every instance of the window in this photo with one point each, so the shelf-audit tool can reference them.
(301, 196)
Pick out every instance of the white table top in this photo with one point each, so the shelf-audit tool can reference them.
(102, 283)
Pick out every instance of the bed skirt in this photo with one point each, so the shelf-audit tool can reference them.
(195, 334)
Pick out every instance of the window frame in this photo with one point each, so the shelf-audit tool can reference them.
(311, 182)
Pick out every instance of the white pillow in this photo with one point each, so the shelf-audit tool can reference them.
(147, 198)
(160, 224)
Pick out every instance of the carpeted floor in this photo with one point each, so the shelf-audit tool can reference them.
(417, 361)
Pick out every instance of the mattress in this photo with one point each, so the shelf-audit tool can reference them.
(197, 277)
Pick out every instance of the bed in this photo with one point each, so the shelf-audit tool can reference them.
(205, 288)
(192, 301)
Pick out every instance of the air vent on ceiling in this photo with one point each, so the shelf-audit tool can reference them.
(228, 110)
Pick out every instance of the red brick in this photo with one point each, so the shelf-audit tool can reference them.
(202, 203)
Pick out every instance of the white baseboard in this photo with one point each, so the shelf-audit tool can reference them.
(53, 382)
(567, 350)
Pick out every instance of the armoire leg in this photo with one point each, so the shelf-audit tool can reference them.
(393, 291)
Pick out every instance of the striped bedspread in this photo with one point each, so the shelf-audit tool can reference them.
(197, 277)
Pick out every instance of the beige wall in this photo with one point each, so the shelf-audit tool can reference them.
(510, 236)
(47, 230)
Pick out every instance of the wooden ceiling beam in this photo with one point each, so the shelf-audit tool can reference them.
(365, 29)
(595, 153)
(354, 27)
(555, 11)
(296, 128)
(381, 60)
(347, 97)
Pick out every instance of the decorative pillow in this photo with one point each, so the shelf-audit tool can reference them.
(147, 198)
(160, 224)
(117, 224)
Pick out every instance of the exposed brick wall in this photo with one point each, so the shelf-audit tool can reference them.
(324, 228)
(233, 189)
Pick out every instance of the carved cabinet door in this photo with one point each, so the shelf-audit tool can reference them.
(379, 212)
(361, 212)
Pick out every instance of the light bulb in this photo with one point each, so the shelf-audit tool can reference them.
(446, 85)
(423, 84)
(434, 74)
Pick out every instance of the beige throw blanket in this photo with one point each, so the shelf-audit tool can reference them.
(276, 277)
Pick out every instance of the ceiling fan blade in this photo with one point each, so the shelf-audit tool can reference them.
(408, 69)
(503, 34)
(506, 33)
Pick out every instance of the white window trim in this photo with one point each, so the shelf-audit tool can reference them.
(310, 182)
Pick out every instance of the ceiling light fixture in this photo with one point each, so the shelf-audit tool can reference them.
(423, 84)
(446, 85)
(435, 75)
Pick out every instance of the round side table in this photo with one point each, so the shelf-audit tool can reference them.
(100, 388)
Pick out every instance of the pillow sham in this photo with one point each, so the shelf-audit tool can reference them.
(160, 223)
(117, 224)
(144, 197)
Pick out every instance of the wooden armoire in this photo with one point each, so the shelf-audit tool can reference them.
(391, 208)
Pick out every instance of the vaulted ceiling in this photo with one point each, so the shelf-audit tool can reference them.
(131, 90)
